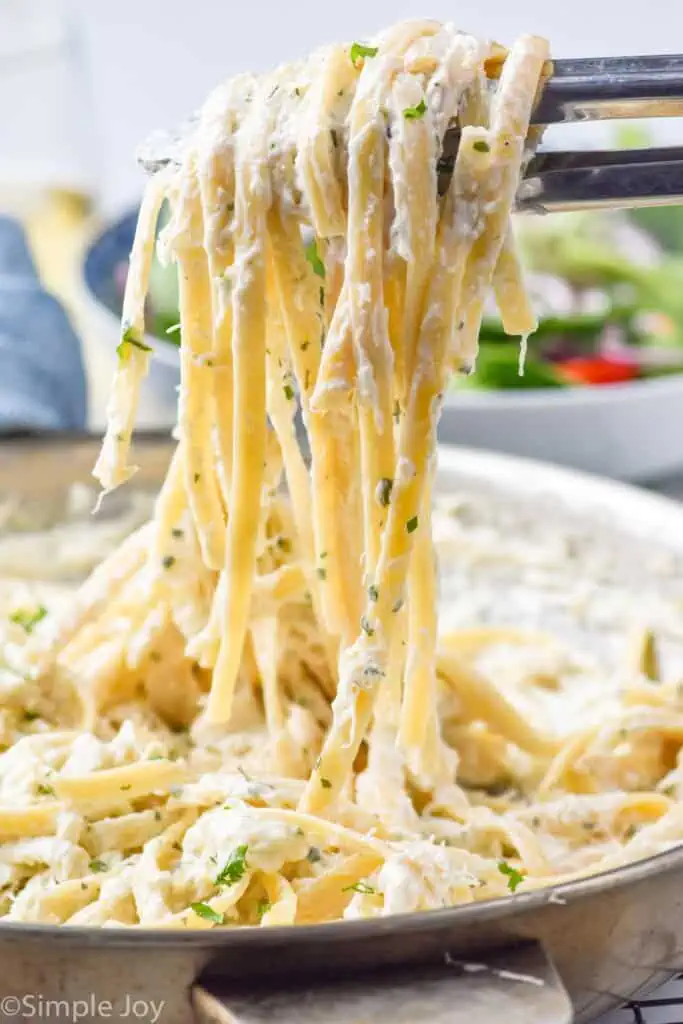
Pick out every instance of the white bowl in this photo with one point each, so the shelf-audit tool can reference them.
(629, 431)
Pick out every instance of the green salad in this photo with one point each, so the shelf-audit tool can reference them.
(608, 290)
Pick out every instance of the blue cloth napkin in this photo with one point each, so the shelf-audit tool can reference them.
(42, 380)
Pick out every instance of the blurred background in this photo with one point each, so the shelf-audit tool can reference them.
(83, 82)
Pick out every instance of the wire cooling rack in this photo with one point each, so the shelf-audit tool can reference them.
(665, 1006)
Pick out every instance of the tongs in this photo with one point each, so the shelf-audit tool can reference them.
(587, 89)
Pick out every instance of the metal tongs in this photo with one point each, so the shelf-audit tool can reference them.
(587, 89)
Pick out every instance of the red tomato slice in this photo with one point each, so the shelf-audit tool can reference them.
(596, 370)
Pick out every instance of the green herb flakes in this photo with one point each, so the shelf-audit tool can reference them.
(262, 907)
(415, 113)
(130, 339)
(514, 877)
(28, 620)
(359, 51)
(361, 887)
(235, 867)
(411, 525)
(384, 489)
(366, 627)
(313, 258)
(206, 912)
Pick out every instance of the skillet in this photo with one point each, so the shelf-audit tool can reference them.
(552, 956)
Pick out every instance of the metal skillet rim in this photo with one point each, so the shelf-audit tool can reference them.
(443, 920)
(458, 917)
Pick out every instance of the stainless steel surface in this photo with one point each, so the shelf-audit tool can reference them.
(563, 181)
(602, 88)
(609, 937)
(518, 987)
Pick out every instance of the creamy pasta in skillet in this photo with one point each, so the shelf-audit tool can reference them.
(255, 710)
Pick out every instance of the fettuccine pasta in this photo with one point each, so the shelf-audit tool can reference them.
(248, 714)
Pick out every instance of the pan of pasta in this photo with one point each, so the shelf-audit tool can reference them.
(300, 706)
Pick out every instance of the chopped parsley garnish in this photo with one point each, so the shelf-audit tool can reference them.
(373, 592)
(397, 411)
(321, 573)
(314, 855)
(359, 52)
(173, 328)
(325, 783)
(177, 533)
(44, 790)
(97, 865)
(28, 620)
(207, 912)
(304, 345)
(168, 561)
(234, 868)
(373, 672)
(397, 607)
(30, 715)
(313, 258)
(262, 907)
(415, 113)
(366, 627)
(481, 146)
(362, 887)
(289, 392)
(384, 489)
(124, 789)
(514, 877)
(129, 337)
(411, 525)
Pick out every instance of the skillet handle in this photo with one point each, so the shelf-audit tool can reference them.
(516, 986)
